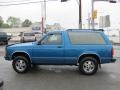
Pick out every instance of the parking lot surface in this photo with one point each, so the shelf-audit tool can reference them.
(60, 77)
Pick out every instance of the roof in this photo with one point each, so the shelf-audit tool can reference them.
(86, 30)
(79, 30)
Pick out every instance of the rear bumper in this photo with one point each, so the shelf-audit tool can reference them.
(110, 60)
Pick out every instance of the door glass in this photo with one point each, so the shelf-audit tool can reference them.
(52, 39)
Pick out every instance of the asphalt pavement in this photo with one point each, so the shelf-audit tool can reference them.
(60, 77)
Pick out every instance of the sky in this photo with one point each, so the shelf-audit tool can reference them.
(65, 13)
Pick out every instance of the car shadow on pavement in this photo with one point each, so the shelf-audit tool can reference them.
(54, 69)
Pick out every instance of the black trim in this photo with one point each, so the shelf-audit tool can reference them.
(113, 60)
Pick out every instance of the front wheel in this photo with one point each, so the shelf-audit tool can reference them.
(88, 66)
(21, 64)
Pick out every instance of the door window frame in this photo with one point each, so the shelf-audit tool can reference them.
(49, 35)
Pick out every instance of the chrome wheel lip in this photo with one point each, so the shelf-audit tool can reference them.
(88, 66)
(20, 65)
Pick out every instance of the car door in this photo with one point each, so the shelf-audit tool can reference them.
(50, 50)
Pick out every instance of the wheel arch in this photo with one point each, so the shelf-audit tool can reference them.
(21, 53)
(90, 55)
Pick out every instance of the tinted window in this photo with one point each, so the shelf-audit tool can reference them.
(52, 39)
(86, 38)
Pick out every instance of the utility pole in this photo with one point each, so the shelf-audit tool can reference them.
(45, 16)
(92, 10)
(43, 7)
(80, 15)
(89, 20)
(119, 36)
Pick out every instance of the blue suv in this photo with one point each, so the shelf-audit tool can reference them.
(86, 49)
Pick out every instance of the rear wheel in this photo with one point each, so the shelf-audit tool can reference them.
(21, 64)
(34, 66)
(88, 66)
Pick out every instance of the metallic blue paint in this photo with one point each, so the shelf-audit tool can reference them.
(65, 54)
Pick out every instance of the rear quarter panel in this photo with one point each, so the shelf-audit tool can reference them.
(73, 52)
(76, 51)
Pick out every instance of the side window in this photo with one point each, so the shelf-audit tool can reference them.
(52, 39)
(77, 38)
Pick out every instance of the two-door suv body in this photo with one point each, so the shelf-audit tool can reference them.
(86, 48)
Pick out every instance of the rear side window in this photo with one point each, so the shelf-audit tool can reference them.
(77, 38)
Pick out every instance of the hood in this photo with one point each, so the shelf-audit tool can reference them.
(22, 44)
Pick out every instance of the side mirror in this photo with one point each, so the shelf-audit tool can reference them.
(39, 43)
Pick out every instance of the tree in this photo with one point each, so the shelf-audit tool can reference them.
(26, 23)
(4, 25)
(14, 21)
(1, 21)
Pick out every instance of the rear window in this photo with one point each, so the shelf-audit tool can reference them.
(77, 38)
(29, 34)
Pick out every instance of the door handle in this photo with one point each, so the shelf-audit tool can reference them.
(59, 47)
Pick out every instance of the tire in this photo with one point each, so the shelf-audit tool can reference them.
(88, 66)
(34, 66)
(21, 64)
